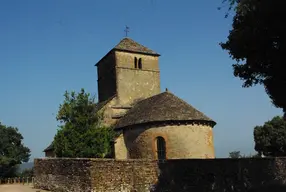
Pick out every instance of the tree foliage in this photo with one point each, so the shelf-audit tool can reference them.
(12, 150)
(270, 138)
(231, 5)
(235, 154)
(257, 43)
(27, 173)
(82, 133)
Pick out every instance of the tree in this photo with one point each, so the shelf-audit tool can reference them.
(235, 154)
(12, 151)
(270, 138)
(232, 5)
(27, 173)
(82, 133)
(257, 43)
(256, 155)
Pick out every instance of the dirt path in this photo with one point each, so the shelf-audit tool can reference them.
(18, 188)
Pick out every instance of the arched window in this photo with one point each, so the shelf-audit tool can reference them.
(140, 63)
(161, 148)
(135, 63)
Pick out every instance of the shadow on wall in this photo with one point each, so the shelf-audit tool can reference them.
(269, 188)
(229, 175)
(131, 137)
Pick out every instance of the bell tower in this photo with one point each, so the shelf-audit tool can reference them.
(130, 72)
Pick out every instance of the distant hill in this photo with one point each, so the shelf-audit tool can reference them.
(24, 166)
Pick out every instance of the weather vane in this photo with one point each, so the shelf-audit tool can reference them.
(126, 30)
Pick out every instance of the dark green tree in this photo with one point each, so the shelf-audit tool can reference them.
(82, 133)
(256, 155)
(235, 154)
(27, 173)
(12, 151)
(257, 42)
(270, 138)
(231, 5)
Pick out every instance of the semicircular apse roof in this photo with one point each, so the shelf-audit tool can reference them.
(159, 108)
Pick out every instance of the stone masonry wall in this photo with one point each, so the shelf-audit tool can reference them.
(86, 175)
(63, 174)
(112, 175)
(120, 147)
(135, 84)
(182, 141)
(106, 77)
(216, 175)
(182, 175)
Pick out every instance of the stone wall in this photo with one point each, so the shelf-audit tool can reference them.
(136, 84)
(196, 175)
(120, 149)
(63, 174)
(229, 175)
(106, 81)
(84, 175)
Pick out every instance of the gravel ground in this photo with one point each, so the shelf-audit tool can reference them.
(18, 188)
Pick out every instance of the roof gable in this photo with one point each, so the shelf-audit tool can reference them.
(159, 108)
(50, 147)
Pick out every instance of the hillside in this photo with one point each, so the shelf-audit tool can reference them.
(24, 166)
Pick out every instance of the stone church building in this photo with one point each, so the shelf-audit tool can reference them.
(151, 124)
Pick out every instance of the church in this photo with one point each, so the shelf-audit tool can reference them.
(150, 124)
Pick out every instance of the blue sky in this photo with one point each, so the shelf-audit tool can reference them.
(47, 47)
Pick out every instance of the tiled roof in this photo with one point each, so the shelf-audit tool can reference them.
(161, 108)
(128, 44)
(50, 147)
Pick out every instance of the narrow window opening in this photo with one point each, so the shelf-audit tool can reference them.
(161, 148)
(140, 63)
(135, 63)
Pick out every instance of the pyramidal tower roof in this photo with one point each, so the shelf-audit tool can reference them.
(130, 45)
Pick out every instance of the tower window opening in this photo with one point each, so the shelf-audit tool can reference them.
(161, 148)
(140, 63)
(135, 63)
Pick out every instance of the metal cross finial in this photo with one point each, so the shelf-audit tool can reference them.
(126, 30)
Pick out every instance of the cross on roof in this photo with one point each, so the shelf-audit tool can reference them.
(126, 30)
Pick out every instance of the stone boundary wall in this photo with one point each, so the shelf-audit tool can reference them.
(202, 175)
(86, 175)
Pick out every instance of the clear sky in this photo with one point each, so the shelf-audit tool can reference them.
(47, 47)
